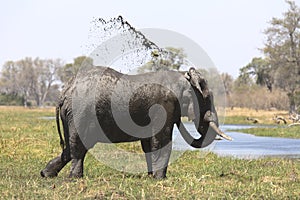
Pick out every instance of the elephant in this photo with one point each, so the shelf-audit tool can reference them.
(103, 105)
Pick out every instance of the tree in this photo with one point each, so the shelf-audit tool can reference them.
(46, 75)
(228, 83)
(17, 78)
(9, 87)
(244, 79)
(71, 69)
(282, 49)
(259, 71)
(8, 82)
(30, 79)
(172, 60)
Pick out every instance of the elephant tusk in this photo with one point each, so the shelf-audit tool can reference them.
(219, 132)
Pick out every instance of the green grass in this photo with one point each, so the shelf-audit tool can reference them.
(286, 132)
(27, 143)
(236, 120)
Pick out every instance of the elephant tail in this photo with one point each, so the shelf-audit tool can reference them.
(57, 111)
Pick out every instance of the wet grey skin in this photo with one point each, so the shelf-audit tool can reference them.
(98, 104)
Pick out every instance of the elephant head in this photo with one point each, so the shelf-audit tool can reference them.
(200, 108)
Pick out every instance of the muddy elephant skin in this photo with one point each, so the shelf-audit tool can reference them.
(103, 105)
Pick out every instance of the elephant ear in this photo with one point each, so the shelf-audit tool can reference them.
(188, 105)
(191, 113)
(197, 81)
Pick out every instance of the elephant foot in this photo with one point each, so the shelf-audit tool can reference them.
(46, 174)
(160, 174)
(75, 175)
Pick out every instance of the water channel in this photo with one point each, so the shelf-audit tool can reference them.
(245, 146)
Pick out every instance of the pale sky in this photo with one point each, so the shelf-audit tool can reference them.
(230, 31)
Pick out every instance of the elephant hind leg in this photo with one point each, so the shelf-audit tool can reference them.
(77, 168)
(78, 152)
(55, 165)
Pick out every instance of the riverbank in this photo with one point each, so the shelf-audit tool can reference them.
(263, 117)
(251, 116)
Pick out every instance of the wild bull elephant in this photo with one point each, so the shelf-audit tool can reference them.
(103, 105)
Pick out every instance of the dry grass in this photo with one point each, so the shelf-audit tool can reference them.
(33, 109)
(258, 97)
(239, 116)
(255, 113)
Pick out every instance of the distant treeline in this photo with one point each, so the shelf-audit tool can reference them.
(35, 82)
(269, 82)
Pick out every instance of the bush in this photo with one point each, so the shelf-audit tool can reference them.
(11, 100)
(257, 97)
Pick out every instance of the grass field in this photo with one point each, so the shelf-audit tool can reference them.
(239, 115)
(28, 142)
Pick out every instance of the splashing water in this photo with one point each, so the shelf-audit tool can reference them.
(115, 26)
(117, 44)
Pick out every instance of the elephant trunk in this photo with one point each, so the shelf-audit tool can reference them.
(206, 119)
(206, 139)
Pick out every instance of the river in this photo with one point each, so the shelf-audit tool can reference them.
(245, 146)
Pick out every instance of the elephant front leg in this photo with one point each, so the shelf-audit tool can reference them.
(146, 146)
(77, 165)
(78, 152)
(77, 168)
(161, 145)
